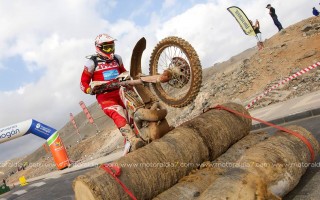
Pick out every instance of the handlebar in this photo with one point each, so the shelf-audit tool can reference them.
(99, 87)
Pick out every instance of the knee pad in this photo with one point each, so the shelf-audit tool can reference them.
(117, 113)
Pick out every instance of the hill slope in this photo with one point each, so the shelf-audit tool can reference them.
(247, 75)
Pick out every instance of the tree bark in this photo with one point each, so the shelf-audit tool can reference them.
(192, 186)
(268, 170)
(158, 166)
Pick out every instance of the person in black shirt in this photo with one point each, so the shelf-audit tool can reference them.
(256, 28)
(274, 17)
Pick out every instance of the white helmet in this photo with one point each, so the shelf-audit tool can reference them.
(105, 46)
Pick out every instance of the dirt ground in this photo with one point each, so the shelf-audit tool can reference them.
(239, 79)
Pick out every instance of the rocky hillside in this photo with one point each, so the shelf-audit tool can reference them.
(240, 79)
(245, 76)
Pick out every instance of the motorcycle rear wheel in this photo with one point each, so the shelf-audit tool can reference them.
(178, 56)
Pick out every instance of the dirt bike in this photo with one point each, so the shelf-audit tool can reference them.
(175, 77)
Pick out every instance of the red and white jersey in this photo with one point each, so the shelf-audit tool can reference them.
(106, 70)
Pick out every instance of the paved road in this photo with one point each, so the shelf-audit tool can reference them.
(60, 187)
(54, 188)
(308, 187)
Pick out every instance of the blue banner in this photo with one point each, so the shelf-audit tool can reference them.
(41, 130)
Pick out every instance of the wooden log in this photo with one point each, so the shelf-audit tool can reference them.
(160, 164)
(192, 186)
(268, 170)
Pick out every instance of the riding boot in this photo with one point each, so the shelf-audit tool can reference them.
(128, 133)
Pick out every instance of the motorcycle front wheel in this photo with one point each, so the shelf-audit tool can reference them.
(180, 58)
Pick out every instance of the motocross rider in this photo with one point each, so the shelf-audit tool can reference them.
(106, 66)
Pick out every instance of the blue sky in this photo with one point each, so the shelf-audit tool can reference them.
(15, 69)
(44, 44)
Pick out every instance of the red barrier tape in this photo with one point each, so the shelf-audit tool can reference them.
(301, 137)
(115, 171)
(299, 73)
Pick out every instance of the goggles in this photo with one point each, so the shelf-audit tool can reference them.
(108, 48)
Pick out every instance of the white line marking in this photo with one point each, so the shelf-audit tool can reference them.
(20, 192)
(53, 177)
(37, 184)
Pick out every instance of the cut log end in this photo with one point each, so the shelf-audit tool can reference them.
(83, 192)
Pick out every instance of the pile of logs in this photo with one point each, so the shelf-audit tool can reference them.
(176, 166)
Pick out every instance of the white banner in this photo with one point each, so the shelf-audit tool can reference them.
(14, 131)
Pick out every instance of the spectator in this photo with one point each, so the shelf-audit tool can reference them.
(4, 181)
(315, 12)
(274, 17)
(256, 28)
